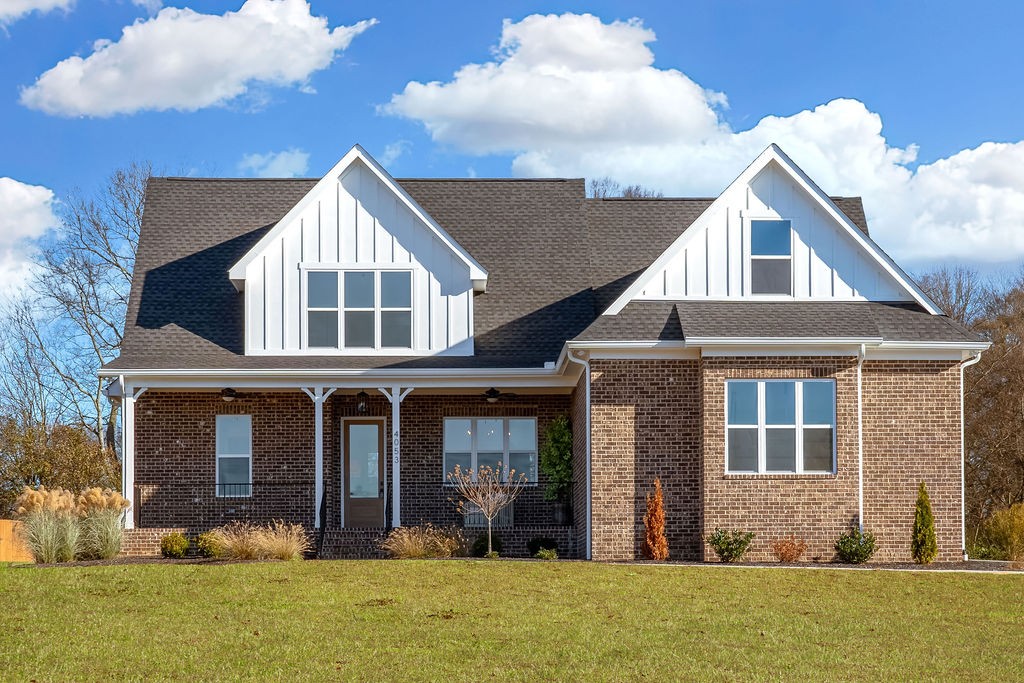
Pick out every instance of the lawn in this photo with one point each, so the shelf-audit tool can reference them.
(476, 620)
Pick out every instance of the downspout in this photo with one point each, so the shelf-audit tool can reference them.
(963, 458)
(586, 371)
(860, 436)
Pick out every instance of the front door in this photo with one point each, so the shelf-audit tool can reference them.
(363, 444)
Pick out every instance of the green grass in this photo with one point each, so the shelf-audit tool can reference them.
(476, 620)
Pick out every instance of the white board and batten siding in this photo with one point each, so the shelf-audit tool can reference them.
(357, 222)
(827, 262)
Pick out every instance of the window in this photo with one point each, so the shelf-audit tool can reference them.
(771, 258)
(234, 456)
(364, 309)
(509, 443)
(780, 426)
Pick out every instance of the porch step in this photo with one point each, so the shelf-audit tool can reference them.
(353, 544)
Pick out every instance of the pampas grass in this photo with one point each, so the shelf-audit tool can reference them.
(61, 527)
(246, 541)
(427, 541)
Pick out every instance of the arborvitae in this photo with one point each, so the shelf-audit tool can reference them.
(923, 545)
(655, 544)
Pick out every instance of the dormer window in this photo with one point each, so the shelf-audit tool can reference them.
(771, 257)
(364, 309)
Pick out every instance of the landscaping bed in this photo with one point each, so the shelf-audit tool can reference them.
(473, 620)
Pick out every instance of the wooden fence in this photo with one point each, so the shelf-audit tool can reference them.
(11, 547)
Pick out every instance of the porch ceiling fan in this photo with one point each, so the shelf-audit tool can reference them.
(493, 395)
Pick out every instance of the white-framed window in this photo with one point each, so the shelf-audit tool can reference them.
(771, 257)
(234, 456)
(359, 309)
(508, 442)
(780, 426)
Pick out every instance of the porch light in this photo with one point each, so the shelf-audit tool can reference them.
(491, 395)
(361, 398)
(228, 395)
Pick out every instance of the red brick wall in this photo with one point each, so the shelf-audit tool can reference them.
(912, 434)
(817, 508)
(645, 419)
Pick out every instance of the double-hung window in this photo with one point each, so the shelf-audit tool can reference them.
(508, 443)
(771, 257)
(780, 426)
(234, 456)
(361, 309)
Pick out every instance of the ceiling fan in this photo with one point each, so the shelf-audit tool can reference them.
(492, 395)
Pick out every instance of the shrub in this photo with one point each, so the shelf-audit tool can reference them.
(43, 533)
(238, 540)
(101, 534)
(174, 545)
(480, 545)
(730, 544)
(789, 548)
(655, 546)
(281, 541)
(556, 459)
(923, 546)
(855, 546)
(493, 555)
(546, 554)
(208, 545)
(1003, 532)
(538, 543)
(416, 542)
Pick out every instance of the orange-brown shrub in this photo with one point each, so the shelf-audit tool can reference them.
(789, 548)
(655, 546)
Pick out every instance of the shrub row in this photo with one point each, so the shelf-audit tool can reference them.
(59, 526)
(429, 541)
(730, 545)
(243, 541)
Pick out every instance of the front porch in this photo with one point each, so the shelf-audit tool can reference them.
(303, 467)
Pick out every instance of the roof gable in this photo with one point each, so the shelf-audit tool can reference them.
(355, 156)
(696, 266)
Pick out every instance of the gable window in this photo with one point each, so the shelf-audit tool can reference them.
(780, 426)
(771, 257)
(361, 309)
(509, 443)
(234, 456)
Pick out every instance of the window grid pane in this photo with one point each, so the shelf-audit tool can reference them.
(498, 443)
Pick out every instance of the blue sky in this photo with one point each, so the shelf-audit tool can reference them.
(862, 95)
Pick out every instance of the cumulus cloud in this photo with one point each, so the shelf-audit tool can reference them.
(393, 151)
(570, 95)
(12, 10)
(181, 59)
(26, 214)
(287, 164)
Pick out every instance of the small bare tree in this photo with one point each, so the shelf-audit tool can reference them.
(486, 490)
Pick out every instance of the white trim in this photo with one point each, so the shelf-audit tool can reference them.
(781, 341)
(476, 272)
(218, 456)
(319, 397)
(128, 451)
(963, 458)
(773, 154)
(396, 396)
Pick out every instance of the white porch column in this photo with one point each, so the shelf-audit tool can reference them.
(129, 395)
(319, 395)
(396, 396)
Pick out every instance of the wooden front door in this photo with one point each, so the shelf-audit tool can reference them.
(363, 467)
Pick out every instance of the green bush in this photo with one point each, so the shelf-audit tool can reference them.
(1003, 532)
(480, 545)
(174, 545)
(209, 545)
(923, 546)
(546, 554)
(101, 534)
(556, 459)
(855, 546)
(730, 544)
(538, 543)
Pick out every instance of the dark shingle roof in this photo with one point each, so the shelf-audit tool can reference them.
(860, 320)
(555, 261)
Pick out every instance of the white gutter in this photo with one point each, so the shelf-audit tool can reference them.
(861, 353)
(586, 371)
(963, 458)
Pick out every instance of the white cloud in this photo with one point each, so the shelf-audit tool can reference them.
(26, 214)
(570, 95)
(393, 151)
(181, 59)
(287, 164)
(151, 6)
(12, 10)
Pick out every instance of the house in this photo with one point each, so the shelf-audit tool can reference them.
(324, 351)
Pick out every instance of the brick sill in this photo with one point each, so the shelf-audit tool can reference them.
(802, 477)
